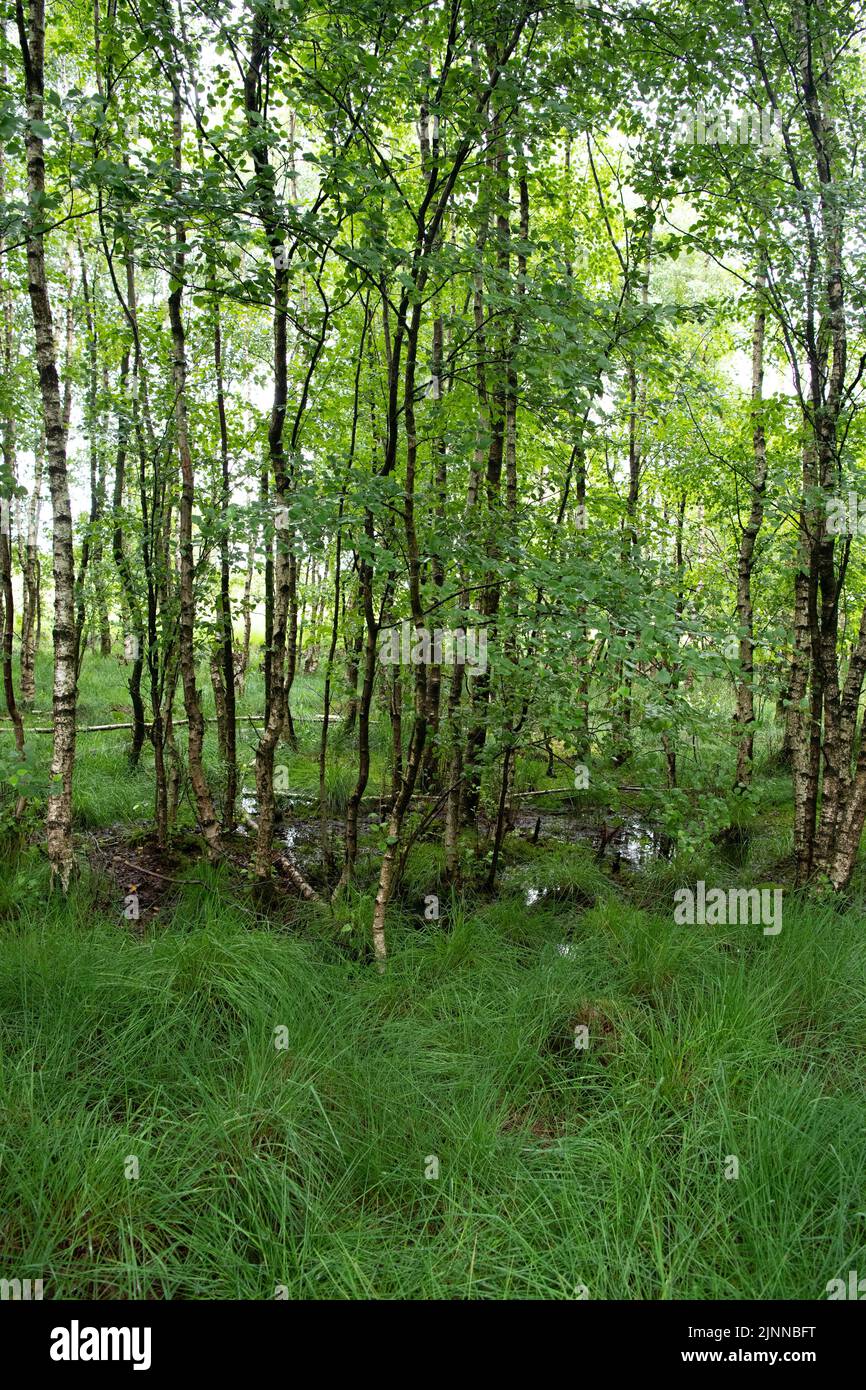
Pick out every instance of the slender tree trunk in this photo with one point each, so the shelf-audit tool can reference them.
(31, 34)
(224, 607)
(10, 472)
(92, 552)
(335, 622)
(804, 770)
(744, 717)
(631, 541)
(8, 610)
(192, 704)
(217, 681)
(121, 561)
(248, 614)
(365, 582)
(283, 565)
(30, 581)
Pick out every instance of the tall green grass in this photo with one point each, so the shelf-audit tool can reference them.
(305, 1167)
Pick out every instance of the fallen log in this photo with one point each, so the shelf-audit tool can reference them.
(176, 723)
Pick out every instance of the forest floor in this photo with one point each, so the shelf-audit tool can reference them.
(223, 1100)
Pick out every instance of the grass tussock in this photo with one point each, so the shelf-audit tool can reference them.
(285, 1108)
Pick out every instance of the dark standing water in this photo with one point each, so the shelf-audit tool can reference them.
(630, 835)
(628, 838)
